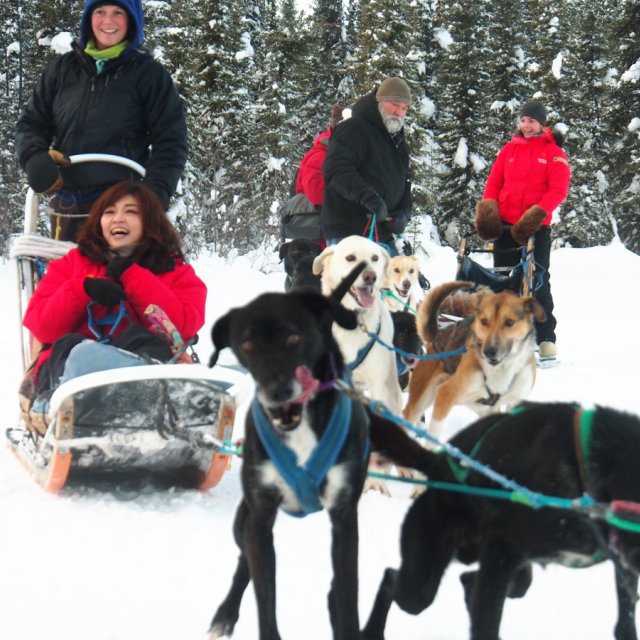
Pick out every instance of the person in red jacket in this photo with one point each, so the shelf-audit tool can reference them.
(527, 182)
(128, 257)
(310, 180)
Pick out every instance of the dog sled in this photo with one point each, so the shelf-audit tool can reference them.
(172, 420)
(522, 279)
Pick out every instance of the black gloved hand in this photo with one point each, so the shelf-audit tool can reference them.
(118, 265)
(43, 174)
(397, 221)
(103, 291)
(377, 206)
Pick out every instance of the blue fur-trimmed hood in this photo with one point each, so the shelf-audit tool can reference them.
(132, 7)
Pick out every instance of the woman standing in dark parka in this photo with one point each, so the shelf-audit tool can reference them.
(105, 96)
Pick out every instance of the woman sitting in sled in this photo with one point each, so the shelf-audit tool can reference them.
(104, 295)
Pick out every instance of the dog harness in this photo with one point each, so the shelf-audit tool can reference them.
(306, 480)
(364, 352)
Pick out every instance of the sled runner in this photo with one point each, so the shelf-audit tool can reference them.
(169, 419)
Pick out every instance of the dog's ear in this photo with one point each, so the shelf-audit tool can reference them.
(329, 308)
(220, 336)
(341, 290)
(346, 318)
(531, 305)
(284, 249)
(318, 262)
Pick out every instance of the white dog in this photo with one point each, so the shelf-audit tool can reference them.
(373, 365)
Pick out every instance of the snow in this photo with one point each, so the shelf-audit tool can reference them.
(112, 562)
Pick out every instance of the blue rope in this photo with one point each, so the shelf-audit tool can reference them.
(429, 356)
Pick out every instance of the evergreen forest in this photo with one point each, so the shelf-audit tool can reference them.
(258, 78)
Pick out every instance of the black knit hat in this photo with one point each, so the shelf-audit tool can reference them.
(535, 110)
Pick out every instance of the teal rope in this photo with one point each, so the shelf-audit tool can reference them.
(521, 494)
(387, 293)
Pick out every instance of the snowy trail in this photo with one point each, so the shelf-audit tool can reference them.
(153, 565)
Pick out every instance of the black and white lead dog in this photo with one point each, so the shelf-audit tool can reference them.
(306, 445)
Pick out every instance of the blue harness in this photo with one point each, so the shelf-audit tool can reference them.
(364, 352)
(305, 480)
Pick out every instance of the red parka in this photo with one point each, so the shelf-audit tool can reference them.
(59, 303)
(310, 180)
(527, 172)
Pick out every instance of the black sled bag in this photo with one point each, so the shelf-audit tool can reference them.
(300, 218)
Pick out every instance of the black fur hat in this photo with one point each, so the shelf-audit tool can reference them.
(535, 110)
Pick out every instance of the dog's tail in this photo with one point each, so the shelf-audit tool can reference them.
(341, 290)
(427, 318)
(393, 442)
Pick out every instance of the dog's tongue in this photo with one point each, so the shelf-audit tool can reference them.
(308, 383)
(365, 299)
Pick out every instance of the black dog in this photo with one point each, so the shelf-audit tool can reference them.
(298, 258)
(554, 449)
(286, 343)
(405, 338)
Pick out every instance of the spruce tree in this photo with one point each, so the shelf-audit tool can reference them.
(586, 214)
(460, 120)
(624, 126)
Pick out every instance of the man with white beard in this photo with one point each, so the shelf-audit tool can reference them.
(366, 170)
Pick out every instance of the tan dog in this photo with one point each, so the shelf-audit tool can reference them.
(401, 280)
(498, 368)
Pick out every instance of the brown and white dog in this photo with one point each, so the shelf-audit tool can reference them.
(496, 371)
(401, 280)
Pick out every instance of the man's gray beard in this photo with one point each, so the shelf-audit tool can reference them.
(392, 124)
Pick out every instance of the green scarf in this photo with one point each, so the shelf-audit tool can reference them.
(102, 55)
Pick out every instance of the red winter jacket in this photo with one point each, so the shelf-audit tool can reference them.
(527, 172)
(310, 179)
(59, 303)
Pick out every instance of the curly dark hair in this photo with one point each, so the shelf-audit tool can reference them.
(160, 244)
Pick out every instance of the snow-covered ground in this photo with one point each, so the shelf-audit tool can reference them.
(109, 563)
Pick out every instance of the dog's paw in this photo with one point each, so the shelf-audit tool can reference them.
(220, 629)
(375, 484)
(405, 472)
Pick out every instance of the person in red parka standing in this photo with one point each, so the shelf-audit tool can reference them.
(527, 182)
(128, 257)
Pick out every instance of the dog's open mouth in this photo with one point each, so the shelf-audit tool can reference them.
(363, 296)
(403, 292)
(287, 416)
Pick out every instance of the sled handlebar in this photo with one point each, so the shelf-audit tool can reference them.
(31, 204)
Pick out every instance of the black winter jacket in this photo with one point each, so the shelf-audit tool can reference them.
(364, 160)
(132, 106)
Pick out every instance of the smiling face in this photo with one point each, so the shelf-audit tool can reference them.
(109, 24)
(121, 223)
(530, 127)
